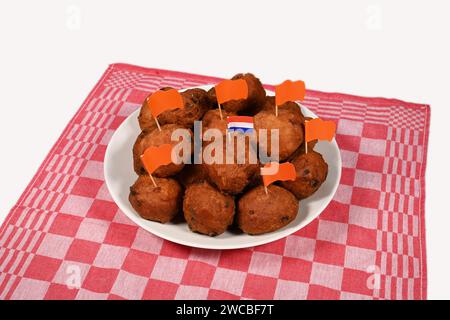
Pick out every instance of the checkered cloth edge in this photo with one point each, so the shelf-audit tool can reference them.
(66, 239)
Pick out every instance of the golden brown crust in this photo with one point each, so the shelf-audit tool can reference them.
(256, 95)
(207, 210)
(212, 120)
(294, 108)
(301, 150)
(289, 126)
(196, 104)
(192, 173)
(259, 212)
(311, 170)
(161, 203)
(155, 138)
(232, 178)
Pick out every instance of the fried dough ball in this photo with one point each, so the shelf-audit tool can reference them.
(212, 120)
(311, 170)
(196, 103)
(193, 173)
(259, 212)
(156, 138)
(145, 118)
(269, 105)
(207, 210)
(301, 150)
(233, 178)
(256, 95)
(161, 203)
(289, 126)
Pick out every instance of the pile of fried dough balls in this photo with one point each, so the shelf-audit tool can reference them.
(214, 197)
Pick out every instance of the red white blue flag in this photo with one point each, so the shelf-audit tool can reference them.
(242, 123)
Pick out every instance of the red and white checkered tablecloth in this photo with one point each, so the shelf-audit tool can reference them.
(66, 239)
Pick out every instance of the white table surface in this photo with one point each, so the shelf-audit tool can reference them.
(53, 52)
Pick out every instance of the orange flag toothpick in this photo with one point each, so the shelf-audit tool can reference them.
(275, 171)
(231, 90)
(318, 129)
(228, 90)
(289, 91)
(160, 101)
(154, 157)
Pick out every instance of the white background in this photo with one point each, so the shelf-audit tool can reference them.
(53, 52)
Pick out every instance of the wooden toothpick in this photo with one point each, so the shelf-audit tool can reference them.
(157, 124)
(306, 140)
(153, 180)
(267, 191)
(220, 111)
(276, 110)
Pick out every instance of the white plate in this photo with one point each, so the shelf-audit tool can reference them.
(119, 176)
